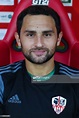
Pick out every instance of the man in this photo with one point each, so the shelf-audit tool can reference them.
(38, 34)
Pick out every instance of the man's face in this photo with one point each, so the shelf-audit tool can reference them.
(38, 38)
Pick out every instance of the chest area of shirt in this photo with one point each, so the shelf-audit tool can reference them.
(54, 100)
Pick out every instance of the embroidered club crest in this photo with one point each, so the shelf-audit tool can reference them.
(58, 104)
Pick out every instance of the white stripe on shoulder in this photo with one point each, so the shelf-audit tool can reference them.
(73, 73)
(69, 68)
(11, 67)
(70, 72)
(76, 76)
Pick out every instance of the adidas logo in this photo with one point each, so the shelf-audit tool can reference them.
(14, 99)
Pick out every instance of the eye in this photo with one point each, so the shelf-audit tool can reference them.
(30, 34)
(47, 34)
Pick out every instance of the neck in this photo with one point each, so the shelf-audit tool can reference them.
(41, 69)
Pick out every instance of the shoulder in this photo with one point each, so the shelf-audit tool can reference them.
(8, 72)
(8, 76)
(11, 68)
(67, 70)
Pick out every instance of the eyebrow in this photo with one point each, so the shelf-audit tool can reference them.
(48, 31)
(33, 31)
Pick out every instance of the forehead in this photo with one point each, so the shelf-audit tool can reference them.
(38, 20)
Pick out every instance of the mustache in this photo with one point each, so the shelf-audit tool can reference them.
(39, 48)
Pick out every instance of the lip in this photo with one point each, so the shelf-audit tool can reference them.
(39, 52)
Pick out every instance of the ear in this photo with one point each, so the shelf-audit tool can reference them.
(59, 38)
(17, 39)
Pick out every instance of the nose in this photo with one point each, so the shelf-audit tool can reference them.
(39, 41)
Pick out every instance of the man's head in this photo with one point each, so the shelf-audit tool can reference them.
(38, 33)
(38, 10)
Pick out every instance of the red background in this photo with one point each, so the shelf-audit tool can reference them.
(74, 10)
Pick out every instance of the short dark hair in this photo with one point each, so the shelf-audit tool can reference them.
(38, 10)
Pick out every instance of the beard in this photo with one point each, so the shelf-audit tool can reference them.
(39, 58)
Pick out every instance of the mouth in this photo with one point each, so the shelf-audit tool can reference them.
(39, 52)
